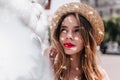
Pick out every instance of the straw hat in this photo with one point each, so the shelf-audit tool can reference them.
(88, 12)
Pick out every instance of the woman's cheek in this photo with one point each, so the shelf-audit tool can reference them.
(76, 38)
(62, 39)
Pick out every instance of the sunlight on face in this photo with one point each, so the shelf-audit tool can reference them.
(76, 38)
(62, 38)
(70, 20)
(74, 49)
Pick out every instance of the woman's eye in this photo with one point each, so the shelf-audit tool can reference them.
(77, 30)
(63, 30)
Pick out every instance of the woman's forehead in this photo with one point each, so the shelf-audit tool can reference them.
(70, 20)
(76, 27)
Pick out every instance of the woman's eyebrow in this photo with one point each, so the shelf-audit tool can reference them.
(77, 27)
(74, 26)
(63, 26)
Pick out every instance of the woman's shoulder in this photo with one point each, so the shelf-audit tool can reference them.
(104, 73)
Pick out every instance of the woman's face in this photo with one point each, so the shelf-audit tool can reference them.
(70, 37)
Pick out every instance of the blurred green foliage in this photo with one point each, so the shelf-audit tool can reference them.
(112, 29)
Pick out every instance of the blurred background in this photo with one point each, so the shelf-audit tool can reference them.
(110, 47)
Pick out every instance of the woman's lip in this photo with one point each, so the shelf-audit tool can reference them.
(69, 45)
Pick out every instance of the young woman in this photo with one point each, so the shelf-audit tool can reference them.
(76, 30)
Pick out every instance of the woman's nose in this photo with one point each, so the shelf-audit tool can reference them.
(69, 35)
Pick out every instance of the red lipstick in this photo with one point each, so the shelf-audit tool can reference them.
(69, 45)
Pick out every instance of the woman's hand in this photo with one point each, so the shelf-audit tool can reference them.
(51, 54)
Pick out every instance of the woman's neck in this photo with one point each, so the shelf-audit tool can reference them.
(74, 70)
(74, 62)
